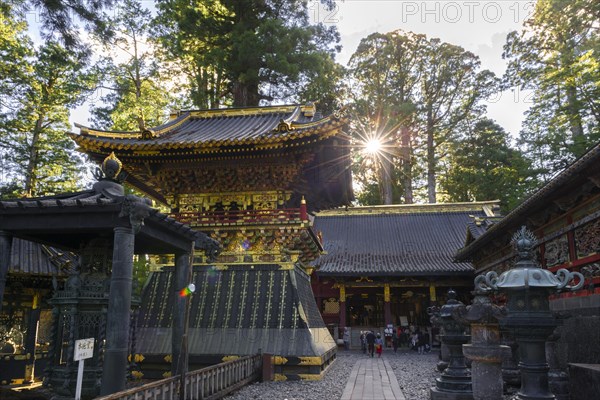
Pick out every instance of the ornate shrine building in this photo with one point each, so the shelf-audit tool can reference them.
(248, 178)
(26, 316)
(387, 264)
(565, 216)
(91, 295)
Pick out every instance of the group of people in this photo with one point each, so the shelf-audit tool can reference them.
(415, 338)
(371, 343)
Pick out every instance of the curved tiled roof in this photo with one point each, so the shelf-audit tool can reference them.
(219, 127)
(394, 243)
(37, 259)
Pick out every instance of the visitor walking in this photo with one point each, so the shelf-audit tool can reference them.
(371, 342)
(363, 342)
(421, 341)
(379, 345)
(346, 338)
(395, 340)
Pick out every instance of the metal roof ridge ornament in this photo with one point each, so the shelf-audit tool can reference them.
(110, 177)
(284, 126)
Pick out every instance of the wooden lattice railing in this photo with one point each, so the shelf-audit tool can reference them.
(204, 384)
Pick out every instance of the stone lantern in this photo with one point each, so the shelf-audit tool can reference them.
(455, 382)
(485, 350)
(527, 287)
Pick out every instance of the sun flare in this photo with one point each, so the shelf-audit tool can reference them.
(373, 146)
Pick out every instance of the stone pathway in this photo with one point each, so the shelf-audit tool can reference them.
(372, 379)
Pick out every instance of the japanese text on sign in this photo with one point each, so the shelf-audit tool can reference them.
(84, 348)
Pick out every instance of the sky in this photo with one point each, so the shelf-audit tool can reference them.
(478, 26)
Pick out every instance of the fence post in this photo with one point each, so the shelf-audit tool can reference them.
(268, 372)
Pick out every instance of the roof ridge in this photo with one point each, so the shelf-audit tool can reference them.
(479, 206)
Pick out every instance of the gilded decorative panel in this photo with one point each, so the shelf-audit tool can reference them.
(556, 251)
(331, 306)
(587, 239)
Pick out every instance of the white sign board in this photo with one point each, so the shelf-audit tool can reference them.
(84, 348)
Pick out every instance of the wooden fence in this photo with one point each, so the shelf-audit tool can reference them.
(204, 384)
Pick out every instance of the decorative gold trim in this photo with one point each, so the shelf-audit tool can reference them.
(278, 360)
(229, 358)
(410, 208)
(310, 361)
(113, 157)
(36, 300)
(242, 112)
(137, 374)
(386, 292)
(342, 292)
(166, 374)
(279, 378)
(432, 295)
(312, 377)
(168, 358)
(323, 129)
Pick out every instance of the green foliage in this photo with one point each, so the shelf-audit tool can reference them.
(37, 155)
(61, 20)
(141, 271)
(413, 94)
(556, 56)
(138, 95)
(483, 166)
(241, 52)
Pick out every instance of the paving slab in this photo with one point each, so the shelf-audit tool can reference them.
(372, 379)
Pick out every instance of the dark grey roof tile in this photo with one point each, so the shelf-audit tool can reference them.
(393, 244)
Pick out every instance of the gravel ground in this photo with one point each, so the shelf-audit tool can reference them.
(416, 375)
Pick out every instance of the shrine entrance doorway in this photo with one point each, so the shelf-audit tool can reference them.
(365, 308)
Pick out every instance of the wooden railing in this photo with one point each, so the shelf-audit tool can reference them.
(239, 217)
(204, 384)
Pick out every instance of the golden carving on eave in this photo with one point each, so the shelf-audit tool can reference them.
(284, 126)
(219, 179)
(268, 200)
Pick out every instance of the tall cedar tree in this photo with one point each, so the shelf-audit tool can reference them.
(137, 95)
(415, 93)
(483, 166)
(38, 157)
(385, 72)
(239, 52)
(557, 58)
(60, 19)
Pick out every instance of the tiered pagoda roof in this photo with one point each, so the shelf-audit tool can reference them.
(194, 142)
(400, 240)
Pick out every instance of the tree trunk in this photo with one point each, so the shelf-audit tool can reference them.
(385, 180)
(431, 178)
(30, 178)
(406, 162)
(245, 95)
(574, 116)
